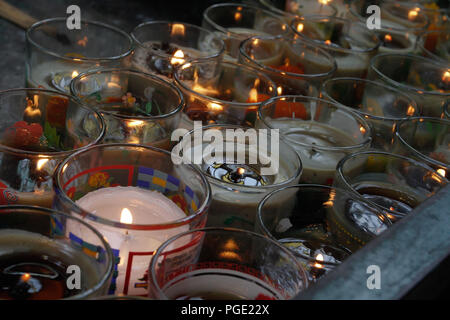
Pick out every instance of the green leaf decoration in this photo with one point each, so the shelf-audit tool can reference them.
(148, 107)
(52, 136)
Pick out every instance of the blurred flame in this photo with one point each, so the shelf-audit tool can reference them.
(446, 76)
(300, 27)
(441, 172)
(413, 13)
(279, 90)
(178, 29)
(324, 1)
(25, 277)
(387, 38)
(362, 129)
(126, 216)
(40, 163)
(231, 245)
(177, 57)
(328, 42)
(74, 74)
(215, 106)
(410, 111)
(319, 258)
(237, 16)
(135, 123)
(253, 96)
(241, 171)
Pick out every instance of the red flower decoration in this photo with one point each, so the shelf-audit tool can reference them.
(22, 134)
(264, 297)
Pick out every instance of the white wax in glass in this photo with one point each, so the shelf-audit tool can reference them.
(145, 207)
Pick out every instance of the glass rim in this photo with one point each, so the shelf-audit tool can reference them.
(271, 7)
(421, 44)
(416, 152)
(347, 185)
(290, 41)
(343, 21)
(374, 83)
(243, 188)
(386, 221)
(59, 188)
(166, 55)
(399, 28)
(397, 84)
(25, 152)
(356, 116)
(165, 244)
(48, 21)
(230, 64)
(243, 5)
(160, 80)
(48, 212)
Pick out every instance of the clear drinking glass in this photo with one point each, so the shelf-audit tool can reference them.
(40, 250)
(425, 80)
(427, 140)
(226, 92)
(435, 45)
(56, 54)
(137, 107)
(224, 264)
(235, 22)
(38, 129)
(181, 192)
(381, 106)
(321, 132)
(163, 45)
(296, 67)
(351, 43)
(292, 8)
(321, 225)
(392, 183)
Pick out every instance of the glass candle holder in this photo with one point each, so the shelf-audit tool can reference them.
(351, 43)
(425, 80)
(163, 45)
(296, 67)
(137, 107)
(320, 131)
(224, 264)
(435, 45)
(137, 198)
(227, 92)
(321, 225)
(392, 183)
(56, 55)
(39, 249)
(242, 171)
(292, 8)
(235, 22)
(38, 129)
(381, 106)
(427, 140)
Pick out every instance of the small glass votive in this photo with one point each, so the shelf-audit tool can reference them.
(235, 22)
(435, 45)
(137, 107)
(163, 45)
(320, 224)
(425, 80)
(351, 43)
(408, 15)
(224, 264)
(381, 106)
(242, 173)
(38, 129)
(56, 55)
(296, 67)
(40, 251)
(224, 93)
(137, 198)
(392, 183)
(320, 131)
(292, 8)
(427, 140)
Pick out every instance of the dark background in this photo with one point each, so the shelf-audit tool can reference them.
(125, 14)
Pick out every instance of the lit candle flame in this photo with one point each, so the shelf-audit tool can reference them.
(255, 42)
(413, 13)
(328, 42)
(319, 258)
(241, 171)
(300, 27)
(324, 2)
(41, 163)
(446, 76)
(74, 74)
(279, 90)
(215, 106)
(126, 216)
(253, 96)
(237, 16)
(387, 38)
(391, 208)
(135, 123)
(178, 29)
(441, 172)
(410, 110)
(362, 129)
(25, 277)
(177, 57)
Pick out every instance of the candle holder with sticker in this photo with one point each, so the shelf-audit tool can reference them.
(382, 106)
(390, 182)
(56, 54)
(161, 46)
(320, 131)
(296, 67)
(351, 43)
(235, 22)
(222, 93)
(137, 198)
(243, 172)
(321, 225)
(40, 254)
(38, 129)
(137, 107)
(425, 80)
(224, 264)
(292, 8)
(427, 140)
